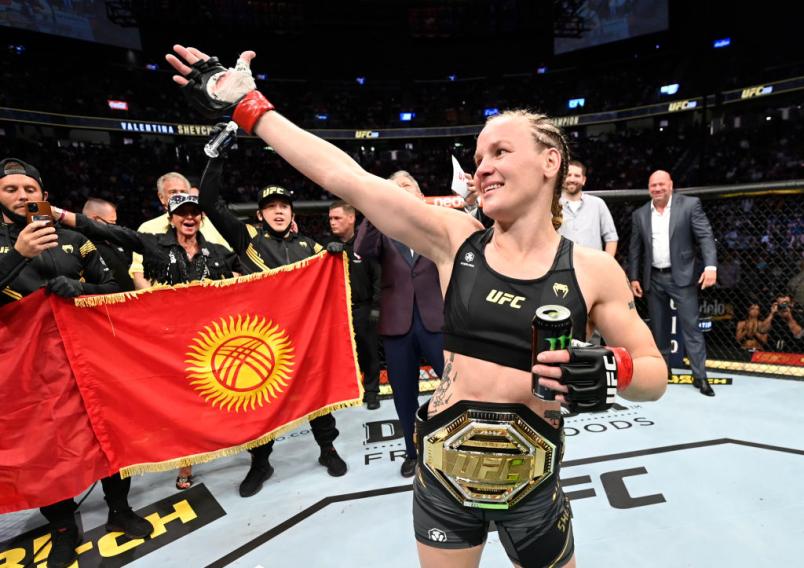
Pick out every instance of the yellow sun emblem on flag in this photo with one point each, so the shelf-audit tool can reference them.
(240, 363)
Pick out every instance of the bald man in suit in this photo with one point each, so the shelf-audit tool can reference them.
(662, 265)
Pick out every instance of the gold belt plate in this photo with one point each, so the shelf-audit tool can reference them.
(489, 459)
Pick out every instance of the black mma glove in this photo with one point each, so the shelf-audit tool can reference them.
(197, 92)
(64, 287)
(594, 375)
(335, 247)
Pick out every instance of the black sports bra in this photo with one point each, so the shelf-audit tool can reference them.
(488, 315)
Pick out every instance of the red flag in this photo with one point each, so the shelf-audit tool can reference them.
(48, 451)
(183, 375)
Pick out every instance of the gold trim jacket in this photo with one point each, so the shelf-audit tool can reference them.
(75, 257)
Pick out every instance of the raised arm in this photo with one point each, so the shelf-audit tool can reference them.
(123, 236)
(212, 204)
(434, 232)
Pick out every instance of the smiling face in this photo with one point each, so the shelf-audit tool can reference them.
(16, 190)
(513, 170)
(575, 180)
(187, 220)
(277, 213)
(660, 186)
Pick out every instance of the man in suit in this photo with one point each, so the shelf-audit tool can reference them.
(662, 257)
(411, 317)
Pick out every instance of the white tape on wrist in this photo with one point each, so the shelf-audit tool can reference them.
(232, 89)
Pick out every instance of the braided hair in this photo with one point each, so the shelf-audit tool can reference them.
(548, 135)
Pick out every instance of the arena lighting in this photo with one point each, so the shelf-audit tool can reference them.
(407, 116)
(541, 70)
(361, 80)
(669, 89)
(322, 117)
(262, 77)
(490, 111)
(152, 67)
(117, 105)
(452, 77)
(723, 42)
(576, 103)
(18, 49)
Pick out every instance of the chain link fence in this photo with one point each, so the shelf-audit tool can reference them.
(759, 232)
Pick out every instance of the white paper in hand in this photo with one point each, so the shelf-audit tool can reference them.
(458, 179)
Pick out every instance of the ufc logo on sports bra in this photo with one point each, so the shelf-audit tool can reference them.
(502, 298)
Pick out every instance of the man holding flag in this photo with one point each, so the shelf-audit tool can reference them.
(65, 263)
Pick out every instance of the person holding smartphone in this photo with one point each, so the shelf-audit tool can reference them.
(785, 334)
(36, 252)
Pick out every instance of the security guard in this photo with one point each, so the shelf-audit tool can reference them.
(364, 279)
(269, 245)
(36, 255)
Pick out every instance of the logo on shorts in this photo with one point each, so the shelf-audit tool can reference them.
(468, 259)
(437, 535)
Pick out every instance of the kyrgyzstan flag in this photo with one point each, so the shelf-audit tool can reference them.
(171, 377)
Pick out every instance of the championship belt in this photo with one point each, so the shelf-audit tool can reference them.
(487, 455)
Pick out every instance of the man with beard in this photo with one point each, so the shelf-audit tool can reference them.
(587, 221)
(40, 255)
(262, 247)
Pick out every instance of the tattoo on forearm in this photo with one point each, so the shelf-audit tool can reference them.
(441, 397)
(631, 305)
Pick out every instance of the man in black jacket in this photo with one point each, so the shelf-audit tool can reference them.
(364, 278)
(117, 258)
(268, 245)
(37, 255)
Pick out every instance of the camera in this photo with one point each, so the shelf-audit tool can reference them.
(784, 306)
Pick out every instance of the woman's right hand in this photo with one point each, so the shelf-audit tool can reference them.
(227, 85)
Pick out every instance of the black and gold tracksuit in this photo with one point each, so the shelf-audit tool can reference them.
(76, 257)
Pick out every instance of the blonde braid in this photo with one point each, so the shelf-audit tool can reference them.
(546, 134)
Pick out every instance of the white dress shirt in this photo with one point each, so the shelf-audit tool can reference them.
(660, 234)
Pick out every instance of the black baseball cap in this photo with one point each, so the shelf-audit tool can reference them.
(180, 199)
(274, 192)
(14, 166)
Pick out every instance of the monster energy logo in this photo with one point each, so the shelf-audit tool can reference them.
(560, 342)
